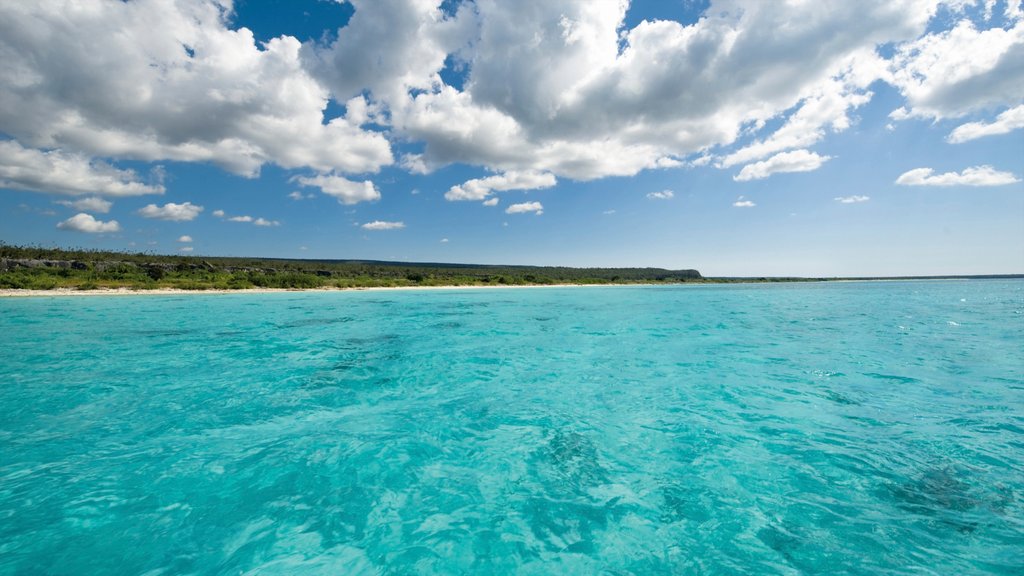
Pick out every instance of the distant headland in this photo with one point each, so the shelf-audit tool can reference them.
(35, 268)
(31, 268)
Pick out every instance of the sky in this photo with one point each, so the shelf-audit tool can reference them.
(740, 138)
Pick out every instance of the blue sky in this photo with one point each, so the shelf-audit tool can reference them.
(738, 138)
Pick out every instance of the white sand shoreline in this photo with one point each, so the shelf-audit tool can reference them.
(61, 292)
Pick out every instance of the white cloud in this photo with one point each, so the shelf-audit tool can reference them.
(491, 202)
(608, 212)
(345, 190)
(382, 225)
(57, 172)
(855, 199)
(91, 204)
(795, 161)
(246, 219)
(824, 106)
(950, 73)
(444, 240)
(185, 249)
(547, 90)
(185, 239)
(168, 80)
(525, 207)
(409, 40)
(663, 195)
(171, 211)
(481, 188)
(85, 223)
(973, 176)
(1005, 123)
(562, 87)
(742, 202)
(296, 195)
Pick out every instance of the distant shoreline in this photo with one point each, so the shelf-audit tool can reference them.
(21, 293)
(73, 292)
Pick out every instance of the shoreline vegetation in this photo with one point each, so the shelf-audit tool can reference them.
(28, 271)
(31, 268)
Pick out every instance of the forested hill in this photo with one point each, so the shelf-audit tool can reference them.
(46, 268)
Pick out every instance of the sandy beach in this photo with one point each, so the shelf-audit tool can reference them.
(61, 292)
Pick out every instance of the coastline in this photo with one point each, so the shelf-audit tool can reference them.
(72, 292)
(62, 292)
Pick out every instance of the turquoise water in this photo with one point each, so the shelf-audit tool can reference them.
(856, 428)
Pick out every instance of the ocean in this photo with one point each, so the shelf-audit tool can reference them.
(797, 428)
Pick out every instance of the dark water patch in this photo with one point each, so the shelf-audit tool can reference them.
(934, 490)
(953, 497)
(371, 341)
(565, 526)
(316, 322)
(495, 553)
(682, 503)
(892, 378)
(345, 366)
(569, 463)
(451, 325)
(782, 540)
(165, 332)
(1004, 427)
(841, 399)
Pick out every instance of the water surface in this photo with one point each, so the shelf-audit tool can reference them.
(859, 428)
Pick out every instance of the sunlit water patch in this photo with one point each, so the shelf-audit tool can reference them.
(859, 428)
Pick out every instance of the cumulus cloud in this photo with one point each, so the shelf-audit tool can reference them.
(185, 239)
(382, 225)
(169, 80)
(58, 172)
(795, 161)
(491, 202)
(825, 108)
(481, 188)
(171, 211)
(973, 176)
(525, 207)
(345, 190)
(663, 195)
(564, 88)
(248, 219)
(1008, 121)
(83, 222)
(296, 195)
(742, 202)
(185, 249)
(91, 204)
(544, 90)
(950, 73)
(409, 41)
(855, 199)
